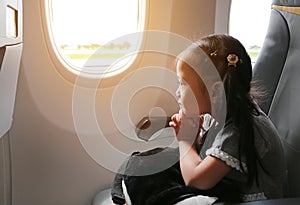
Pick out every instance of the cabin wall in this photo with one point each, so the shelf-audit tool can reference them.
(50, 164)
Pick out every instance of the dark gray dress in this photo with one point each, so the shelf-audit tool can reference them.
(269, 148)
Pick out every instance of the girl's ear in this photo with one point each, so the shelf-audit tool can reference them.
(216, 89)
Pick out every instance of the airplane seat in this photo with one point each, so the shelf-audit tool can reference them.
(278, 70)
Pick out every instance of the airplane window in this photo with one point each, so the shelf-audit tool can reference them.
(89, 36)
(248, 22)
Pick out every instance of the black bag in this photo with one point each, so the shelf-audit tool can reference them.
(154, 177)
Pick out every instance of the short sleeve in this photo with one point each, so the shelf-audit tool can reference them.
(225, 147)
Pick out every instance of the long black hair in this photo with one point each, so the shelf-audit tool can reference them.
(236, 74)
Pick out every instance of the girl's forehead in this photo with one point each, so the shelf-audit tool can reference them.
(182, 67)
(185, 72)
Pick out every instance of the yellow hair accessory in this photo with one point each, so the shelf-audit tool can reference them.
(232, 59)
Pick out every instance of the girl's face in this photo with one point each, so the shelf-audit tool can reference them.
(193, 97)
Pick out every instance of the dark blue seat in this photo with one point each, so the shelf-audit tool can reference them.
(278, 70)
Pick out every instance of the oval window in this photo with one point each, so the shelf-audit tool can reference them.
(249, 22)
(92, 37)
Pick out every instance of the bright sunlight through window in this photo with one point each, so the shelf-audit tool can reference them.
(249, 21)
(90, 36)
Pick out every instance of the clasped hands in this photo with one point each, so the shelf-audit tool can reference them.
(191, 127)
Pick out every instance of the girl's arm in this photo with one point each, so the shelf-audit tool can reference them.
(202, 174)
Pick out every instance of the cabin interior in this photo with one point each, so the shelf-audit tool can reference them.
(64, 131)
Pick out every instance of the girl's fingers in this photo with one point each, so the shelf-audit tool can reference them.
(172, 124)
(180, 118)
(175, 123)
(175, 119)
(186, 127)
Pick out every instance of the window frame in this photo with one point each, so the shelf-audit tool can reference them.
(72, 72)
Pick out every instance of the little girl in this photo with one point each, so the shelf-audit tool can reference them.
(246, 151)
(228, 148)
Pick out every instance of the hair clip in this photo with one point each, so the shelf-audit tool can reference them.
(232, 59)
(213, 54)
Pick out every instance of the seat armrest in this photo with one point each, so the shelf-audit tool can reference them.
(149, 125)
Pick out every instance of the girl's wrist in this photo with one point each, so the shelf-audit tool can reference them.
(185, 147)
